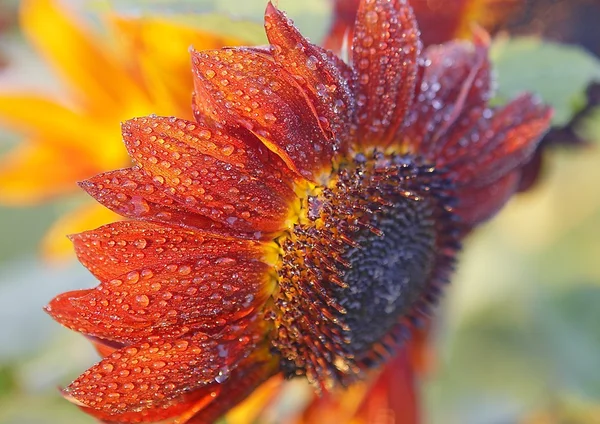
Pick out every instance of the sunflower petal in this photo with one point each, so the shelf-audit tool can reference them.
(322, 79)
(100, 83)
(247, 88)
(384, 57)
(132, 194)
(157, 374)
(252, 372)
(451, 98)
(209, 173)
(201, 288)
(113, 249)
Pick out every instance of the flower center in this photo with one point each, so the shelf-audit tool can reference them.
(355, 265)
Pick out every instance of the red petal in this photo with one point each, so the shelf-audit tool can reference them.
(478, 204)
(253, 371)
(131, 193)
(213, 174)
(117, 248)
(242, 87)
(321, 78)
(150, 375)
(451, 98)
(505, 141)
(191, 282)
(385, 49)
(392, 395)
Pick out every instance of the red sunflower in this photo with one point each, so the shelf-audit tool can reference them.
(300, 226)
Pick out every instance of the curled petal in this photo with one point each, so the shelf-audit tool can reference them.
(202, 288)
(247, 88)
(385, 49)
(321, 78)
(209, 172)
(144, 376)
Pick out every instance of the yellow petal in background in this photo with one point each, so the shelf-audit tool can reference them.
(41, 117)
(35, 171)
(161, 49)
(57, 247)
(99, 82)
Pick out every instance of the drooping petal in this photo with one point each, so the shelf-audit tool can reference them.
(489, 161)
(451, 98)
(157, 374)
(100, 84)
(392, 394)
(247, 88)
(321, 78)
(213, 174)
(164, 282)
(385, 49)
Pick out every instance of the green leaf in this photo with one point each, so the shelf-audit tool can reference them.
(559, 73)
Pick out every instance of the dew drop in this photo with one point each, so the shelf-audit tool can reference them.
(142, 300)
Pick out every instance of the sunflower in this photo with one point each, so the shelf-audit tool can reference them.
(300, 226)
(105, 83)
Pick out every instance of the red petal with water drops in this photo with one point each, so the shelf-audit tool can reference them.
(243, 87)
(321, 78)
(385, 49)
(209, 172)
(147, 376)
(204, 291)
(115, 249)
(251, 372)
(132, 193)
(505, 142)
(451, 98)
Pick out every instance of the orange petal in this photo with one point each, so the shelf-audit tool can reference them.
(202, 288)
(55, 244)
(211, 173)
(322, 79)
(385, 49)
(99, 78)
(36, 171)
(155, 375)
(451, 98)
(240, 87)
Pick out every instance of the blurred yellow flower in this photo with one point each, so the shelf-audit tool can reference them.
(135, 67)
